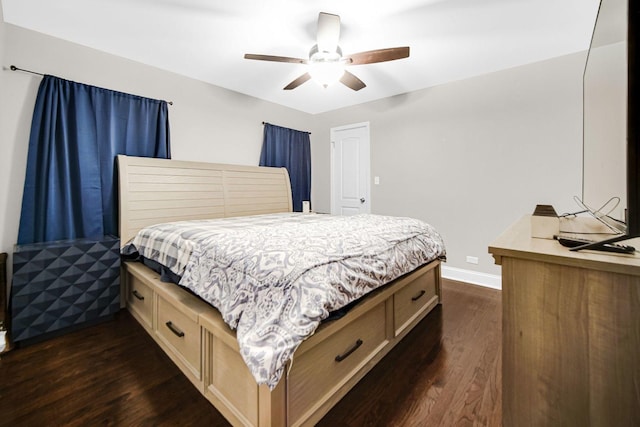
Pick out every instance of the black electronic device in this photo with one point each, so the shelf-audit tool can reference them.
(575, 243)
(616, 35)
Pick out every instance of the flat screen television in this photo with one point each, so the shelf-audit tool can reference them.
(611, 146)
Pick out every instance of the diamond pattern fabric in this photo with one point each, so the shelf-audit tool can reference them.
(65, 283)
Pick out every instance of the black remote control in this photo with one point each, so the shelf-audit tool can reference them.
(573, 242)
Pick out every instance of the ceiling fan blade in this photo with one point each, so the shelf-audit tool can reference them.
(352, 81)
(274, 58)
(328, 32)
(378, 55)
(297, 82)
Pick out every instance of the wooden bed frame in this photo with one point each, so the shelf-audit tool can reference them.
(192, 333)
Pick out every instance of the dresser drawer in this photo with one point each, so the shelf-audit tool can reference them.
(181, 334)
(412, 300)
(140, 300)
(321, 370)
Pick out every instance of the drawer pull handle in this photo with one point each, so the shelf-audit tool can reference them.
(137, 295)
(417, 297)
(175, 330)
(341, 357)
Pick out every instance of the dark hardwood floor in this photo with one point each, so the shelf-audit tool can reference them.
(445, 373)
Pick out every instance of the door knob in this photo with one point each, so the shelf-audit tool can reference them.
(362, 200)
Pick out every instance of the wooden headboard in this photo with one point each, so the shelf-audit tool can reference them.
(153, 191)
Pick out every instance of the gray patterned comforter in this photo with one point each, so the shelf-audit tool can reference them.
(274, 278)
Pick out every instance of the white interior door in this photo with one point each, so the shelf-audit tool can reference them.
(350, 174)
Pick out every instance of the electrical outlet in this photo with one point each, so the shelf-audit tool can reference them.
(472, 259)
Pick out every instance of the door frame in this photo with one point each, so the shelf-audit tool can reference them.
(367, 164)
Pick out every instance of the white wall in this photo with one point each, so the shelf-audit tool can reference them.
(208, 123)
(471, 156)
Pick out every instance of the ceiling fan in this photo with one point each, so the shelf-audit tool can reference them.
(326, 63)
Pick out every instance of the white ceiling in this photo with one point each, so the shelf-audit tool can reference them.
(206, 39)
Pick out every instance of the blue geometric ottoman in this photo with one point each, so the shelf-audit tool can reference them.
(62, 284)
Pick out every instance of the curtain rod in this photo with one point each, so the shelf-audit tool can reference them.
(14, 68)
(266, 123)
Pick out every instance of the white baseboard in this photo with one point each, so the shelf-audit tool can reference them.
(474, 277)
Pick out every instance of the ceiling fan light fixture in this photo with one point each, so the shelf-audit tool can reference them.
(326, 73)
(326, 65)
(326, 68)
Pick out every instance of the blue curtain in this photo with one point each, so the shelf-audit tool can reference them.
(291, 149)
(77, 131)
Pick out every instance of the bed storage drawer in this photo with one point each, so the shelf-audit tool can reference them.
(140, 300)
(318, 373)
(181, 333)
(413, 300)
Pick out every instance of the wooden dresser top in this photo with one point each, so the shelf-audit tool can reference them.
(516, 242)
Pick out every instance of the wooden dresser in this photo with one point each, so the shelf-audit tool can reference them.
(571, 333)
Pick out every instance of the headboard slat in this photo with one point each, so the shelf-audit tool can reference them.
(153, 191)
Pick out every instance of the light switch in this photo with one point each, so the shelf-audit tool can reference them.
(376, 180)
